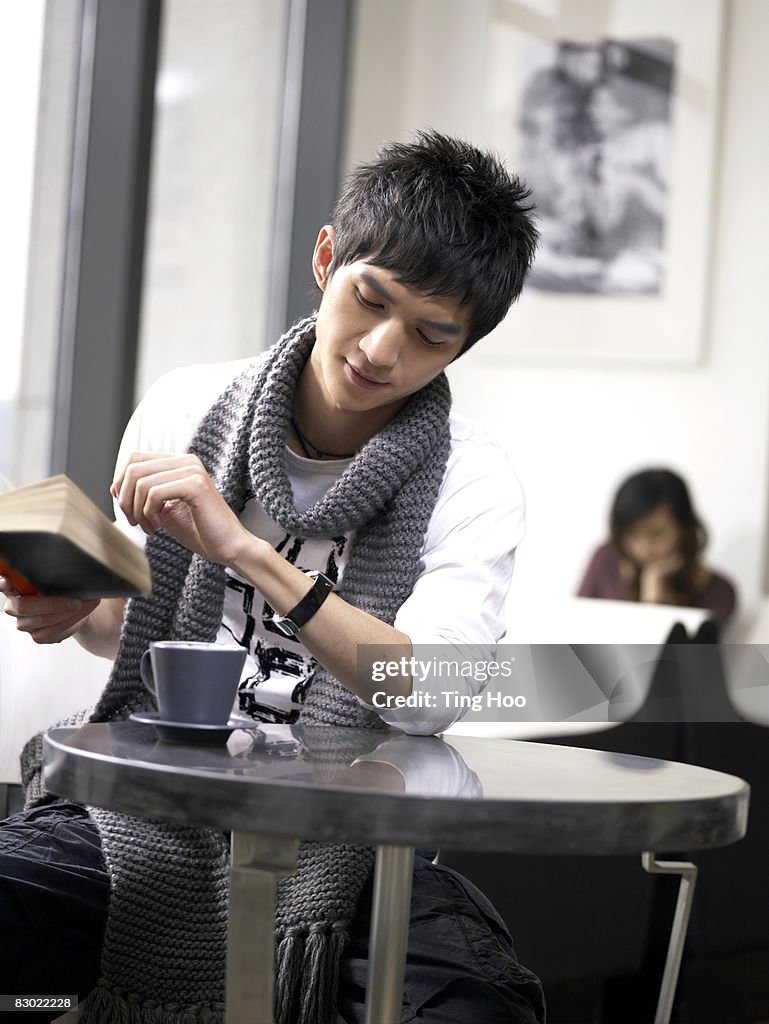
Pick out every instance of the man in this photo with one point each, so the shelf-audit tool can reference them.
(306, 503)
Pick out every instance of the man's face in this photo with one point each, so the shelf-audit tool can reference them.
(379, 341)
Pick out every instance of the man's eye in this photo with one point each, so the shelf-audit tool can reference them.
(428, 341)
(366, 302)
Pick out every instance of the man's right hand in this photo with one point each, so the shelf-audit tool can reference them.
(48, 620)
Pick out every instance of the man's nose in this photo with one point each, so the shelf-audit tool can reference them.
(382, 345)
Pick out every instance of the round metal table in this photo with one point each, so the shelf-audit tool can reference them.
(398, 793)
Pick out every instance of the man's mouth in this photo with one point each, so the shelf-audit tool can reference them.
(361, 380)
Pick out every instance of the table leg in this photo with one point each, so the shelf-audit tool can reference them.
(256, 864)
(688, 873)
(390, 914)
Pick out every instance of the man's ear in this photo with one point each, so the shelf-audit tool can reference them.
(323, 256)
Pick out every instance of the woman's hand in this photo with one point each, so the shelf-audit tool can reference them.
(48, 620)
(656, 580)
(175, 493)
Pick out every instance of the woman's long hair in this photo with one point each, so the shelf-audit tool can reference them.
(639, 495)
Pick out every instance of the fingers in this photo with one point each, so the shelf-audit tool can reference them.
(176, 493)
(149, 481)
(137, 462)
(142, 464)
(7, 588)
(151, 493)
(56, 631)
(166, 497)
(667, 566)
(48, 620)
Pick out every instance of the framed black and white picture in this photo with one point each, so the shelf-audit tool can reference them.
(609, 110)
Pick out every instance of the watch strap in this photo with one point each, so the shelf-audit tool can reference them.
(301, 613)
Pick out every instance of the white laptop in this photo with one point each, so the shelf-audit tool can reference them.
(638, 630)
(593, 620)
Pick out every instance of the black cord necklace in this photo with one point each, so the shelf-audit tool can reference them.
(307, 444)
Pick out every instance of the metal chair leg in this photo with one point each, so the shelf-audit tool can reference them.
(688, 873)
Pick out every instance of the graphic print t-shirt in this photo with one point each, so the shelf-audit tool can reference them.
(278, 669)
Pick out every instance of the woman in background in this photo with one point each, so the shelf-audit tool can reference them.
(655, 550)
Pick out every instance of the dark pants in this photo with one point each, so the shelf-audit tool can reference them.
(460, 964)
(54, 890)
(53, 905)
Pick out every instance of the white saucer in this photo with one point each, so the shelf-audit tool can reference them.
(191, 732)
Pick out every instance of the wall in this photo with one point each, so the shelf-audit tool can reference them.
(574, 433)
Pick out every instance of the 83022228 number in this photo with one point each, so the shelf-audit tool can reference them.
(27, 1002)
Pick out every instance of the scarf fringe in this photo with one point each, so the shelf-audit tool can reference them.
(307, 976)
(305, 989)
(107, 1006)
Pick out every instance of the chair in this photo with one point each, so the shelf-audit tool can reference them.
(39, 685)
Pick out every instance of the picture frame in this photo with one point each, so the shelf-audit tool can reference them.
(621, 311)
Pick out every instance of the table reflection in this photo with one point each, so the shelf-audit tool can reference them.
(384, 760)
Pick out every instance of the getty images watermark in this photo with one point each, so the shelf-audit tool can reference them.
(432, 677)
(674, 681)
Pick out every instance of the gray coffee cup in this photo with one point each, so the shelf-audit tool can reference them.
(193, 682)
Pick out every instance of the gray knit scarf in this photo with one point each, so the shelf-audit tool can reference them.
(164, 959)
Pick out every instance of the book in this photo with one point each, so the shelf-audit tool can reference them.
(55, 541)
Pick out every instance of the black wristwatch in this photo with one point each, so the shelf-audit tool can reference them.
(300, 615)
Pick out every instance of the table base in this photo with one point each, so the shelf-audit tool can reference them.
(390, 914)
(256, 864)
